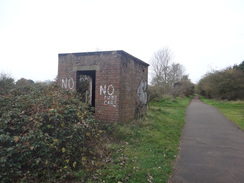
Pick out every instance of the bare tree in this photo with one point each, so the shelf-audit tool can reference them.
(165, 72)
(161, 61)
(176, 73)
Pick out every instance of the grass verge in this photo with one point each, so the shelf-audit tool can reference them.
(144, 150)
(234, 110)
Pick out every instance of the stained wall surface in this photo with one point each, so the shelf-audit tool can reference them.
(119, 82)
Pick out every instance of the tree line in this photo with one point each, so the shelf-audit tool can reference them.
(8, 83)
(169, 78)
(226, 84)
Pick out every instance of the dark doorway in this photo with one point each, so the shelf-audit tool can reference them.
(86, 86)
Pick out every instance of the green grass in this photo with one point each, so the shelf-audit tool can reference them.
(234, 110)
(145, 150)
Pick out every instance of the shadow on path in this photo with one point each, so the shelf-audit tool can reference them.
(212, 148)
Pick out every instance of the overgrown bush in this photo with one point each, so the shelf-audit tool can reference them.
(225, 84)
(183, 88)
(153, 92)
(45, 134)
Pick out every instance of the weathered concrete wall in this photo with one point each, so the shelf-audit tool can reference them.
(120, 82)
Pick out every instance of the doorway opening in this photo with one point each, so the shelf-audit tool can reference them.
(86, 86)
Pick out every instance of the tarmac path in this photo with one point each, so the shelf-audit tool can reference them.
(211, 150)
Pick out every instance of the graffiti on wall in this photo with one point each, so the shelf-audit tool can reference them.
(141, 98)
(68, 83)
(108, 95)
(142, 93)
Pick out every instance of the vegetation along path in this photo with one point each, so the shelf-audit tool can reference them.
(212, 148)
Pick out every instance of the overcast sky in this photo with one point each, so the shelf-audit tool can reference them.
(202, 34)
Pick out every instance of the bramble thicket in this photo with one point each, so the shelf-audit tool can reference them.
(46, 133)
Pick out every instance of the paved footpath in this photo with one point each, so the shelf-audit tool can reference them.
(212, 148)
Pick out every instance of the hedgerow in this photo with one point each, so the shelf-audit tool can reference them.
(45, 134)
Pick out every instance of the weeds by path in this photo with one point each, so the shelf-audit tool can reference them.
(234, 110)
(145, 149)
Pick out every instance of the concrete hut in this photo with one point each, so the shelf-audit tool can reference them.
(113, 82)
